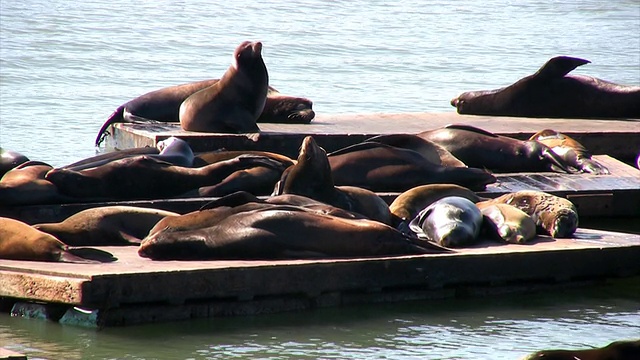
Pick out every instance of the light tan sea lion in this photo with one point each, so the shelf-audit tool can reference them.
(571, 151)
(26, 185)
(510, 223)
(233, 104)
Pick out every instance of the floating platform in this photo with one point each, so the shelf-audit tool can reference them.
(134, 290)
(597, 196)
(617, 138)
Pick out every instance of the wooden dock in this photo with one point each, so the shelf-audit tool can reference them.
(135, 290)
(617, 138)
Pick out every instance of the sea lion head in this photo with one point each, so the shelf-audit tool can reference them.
(74, 183)
(172, 245)
(248, 54)
(452, 221)
(312, 172)
(481, 102)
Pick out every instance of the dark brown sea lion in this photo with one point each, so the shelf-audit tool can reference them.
(552, 214)
(550, 92)
(283, 232)
(142, 177)
(571, 151)
(19, 241)
(452, 221)
(9, 159)
(408, 204)
(233, 104)
(482, 149)
(380, 167)
(163, 105)
(431, 151)
(106, 226)
(312, 177)
(511, 224)
(26, 185)
(617, 350)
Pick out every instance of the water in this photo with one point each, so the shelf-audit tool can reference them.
(66, 65)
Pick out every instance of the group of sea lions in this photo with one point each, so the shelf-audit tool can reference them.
(242, 97)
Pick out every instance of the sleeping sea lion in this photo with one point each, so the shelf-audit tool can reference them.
(9, 159)
(233, 104)
(508, 222)
(571, 151)
(106, 226)
(617, 350)
(552, 214)
(482, 149)
(26, 185)
(551, 93)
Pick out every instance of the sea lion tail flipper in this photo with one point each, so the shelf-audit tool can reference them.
(426, 246)
(116, 117)
(232, 200)
(558, 67)
(258, 160)
(86, 255)
(130, 239)
(593, 167)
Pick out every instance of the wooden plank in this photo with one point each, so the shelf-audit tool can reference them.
(6, 354)
(133, 279)
(617, 138)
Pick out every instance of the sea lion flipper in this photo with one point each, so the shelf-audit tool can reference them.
(115, 117)
(232, 200)
(86, 255)
(129, 238)
(558, 67)
(470, 128)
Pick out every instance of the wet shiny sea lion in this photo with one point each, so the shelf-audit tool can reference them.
(381, 167)
(571, 151)
(452, 221)
(106, 226)
(511, 224)
(312, 177)
(433, 152)
(406, 206)
(617, 350)
(163, 105)
(283, 232)
(143, 177)
(482, 149)
(26, 185)
(552, 214)
(106, 157)
(550, 92)
(19, 241)
(9, 159)
(233, 104)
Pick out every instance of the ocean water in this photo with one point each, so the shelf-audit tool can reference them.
(66, 65)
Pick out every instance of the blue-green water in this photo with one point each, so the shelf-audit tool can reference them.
(66, 65)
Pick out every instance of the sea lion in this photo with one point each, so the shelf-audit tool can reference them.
(9, 159)
(233, 104)
(482, 149)
(452, 221)
(312, 177)
(509, 223)
(283, 232)
(617, 350)
(551, 93)
(163, 105)
(380, 167)
(143, 177)
(106, 226)
(571, 151)
(406, 206)
(431, 151)
(106, 157)
(26, 185)
(552, 214)
(19, 241)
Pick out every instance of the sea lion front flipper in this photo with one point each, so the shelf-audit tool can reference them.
(85, 255)
(558, 67)
(470, 128)
(232, 200)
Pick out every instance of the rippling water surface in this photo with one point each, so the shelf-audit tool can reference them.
(66, 65)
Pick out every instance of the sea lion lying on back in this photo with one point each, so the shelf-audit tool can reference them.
(550, 92)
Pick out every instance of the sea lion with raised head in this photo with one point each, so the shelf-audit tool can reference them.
(312, 177)
(482, 149)
(571, 151)
(283, 232)
(19, 241)
(452, 221)
(552, 93)
(233, 104)
(106, 226)
(553, 215)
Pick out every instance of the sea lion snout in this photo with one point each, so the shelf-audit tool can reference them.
(455, 102)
